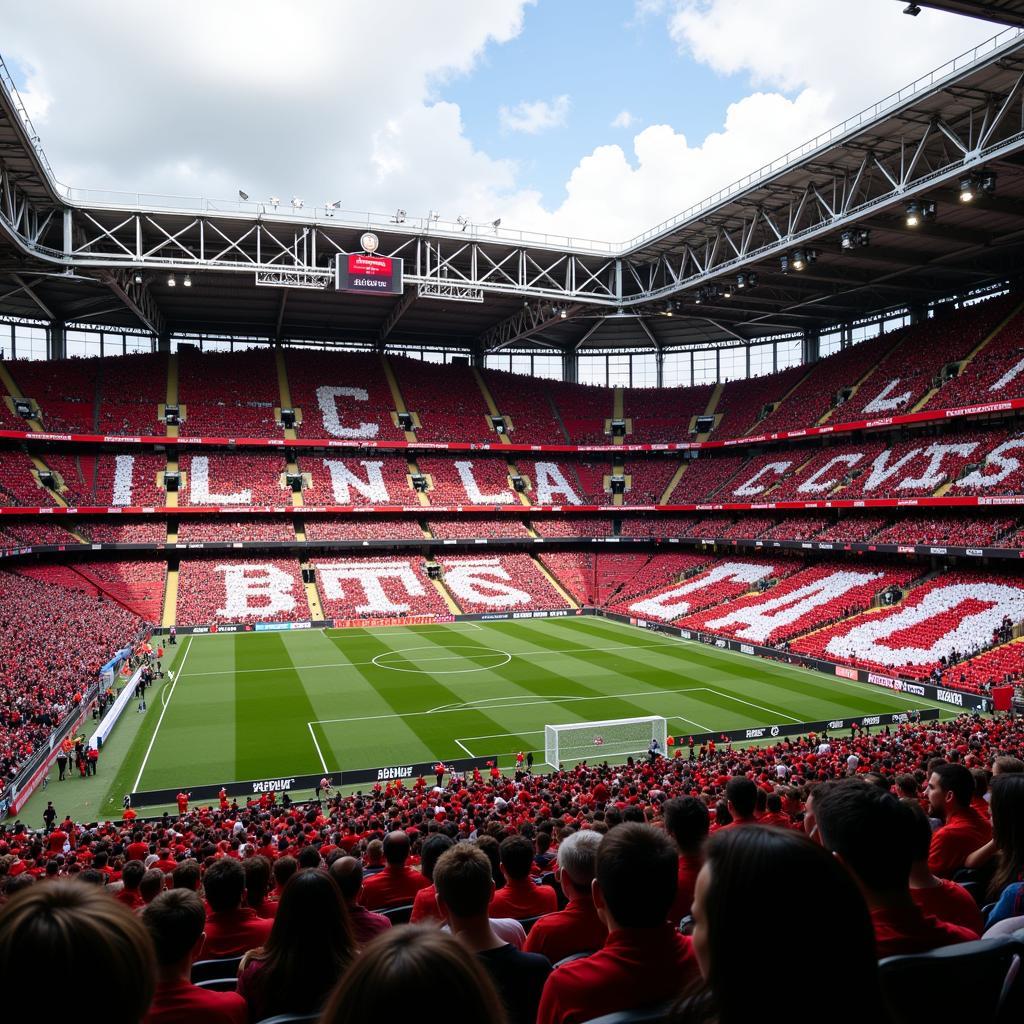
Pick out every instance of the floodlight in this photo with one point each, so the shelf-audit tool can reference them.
(913, 217)
(187, 282)
(274, 201)
(967, 188)
(138, 277)
(297, 203)
(799, 260)
(244, 196)
(171, 282)
(399, 217)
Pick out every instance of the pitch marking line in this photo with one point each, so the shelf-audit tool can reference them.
(482, 651)
(760, 707)
(160, 720)
(319, 752)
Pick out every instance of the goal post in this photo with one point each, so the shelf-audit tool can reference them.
(616, 737)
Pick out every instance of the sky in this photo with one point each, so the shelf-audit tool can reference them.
(593, 119)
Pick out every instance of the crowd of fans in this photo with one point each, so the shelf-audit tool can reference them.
(549, 898)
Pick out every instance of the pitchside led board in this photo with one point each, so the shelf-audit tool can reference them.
(366, 273)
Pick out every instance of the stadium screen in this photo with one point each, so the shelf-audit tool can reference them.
(368, 275)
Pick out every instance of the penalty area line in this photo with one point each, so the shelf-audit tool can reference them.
(319, 752)
(160, 720)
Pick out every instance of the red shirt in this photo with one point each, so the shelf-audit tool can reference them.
(951, 903)
(131, 898)
(136, 851)
(178, 1000)
(910, 931)
(576, 929)
(424, 907)
(365, 923)
(520, 898)
(637, 967)
(963, 833)
(392, 887)
(689, 869)
(234, 932)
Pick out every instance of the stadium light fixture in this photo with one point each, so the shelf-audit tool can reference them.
(987, 182)
(496, 223)
(912, 9)
(297, 203)
(799, 260)
(784, 263)
(913, 217)
(741, 281)
(855, 238)
(244, 196)
(434, 216)
(138, 277)
(330, 206)
(274, 201)
(187, 282)
(399, 217)
(967, 190)
(463, 222)
(698, 297)
(751, 280)
(171, 282)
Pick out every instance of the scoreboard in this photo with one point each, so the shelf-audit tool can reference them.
(367, 274)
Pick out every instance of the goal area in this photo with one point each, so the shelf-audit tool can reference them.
(590, 741)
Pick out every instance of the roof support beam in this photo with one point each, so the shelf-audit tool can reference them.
(398, 310)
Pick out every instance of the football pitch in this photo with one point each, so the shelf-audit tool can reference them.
(278, 704)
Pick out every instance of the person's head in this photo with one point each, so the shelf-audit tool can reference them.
(516, 854)
(224, 884)
(76, 933)
(431, 850)
(374, 852)
(1008, 828)
(257, 880)
(462, 878)
(131, 874)
(309, 947)
(906, 786)
(687, 822)
(175, 921)
(577, 861)
(920, 831)
(492, 851)
(753, 875)
(413, 959)
(347, 873)
(741, 796)
(636, 876)
(950, 788)
(284, 868)
(186, 875)
(309, 857)
(1006, 764)
(396, 848)
(151, 884)
(871, 831)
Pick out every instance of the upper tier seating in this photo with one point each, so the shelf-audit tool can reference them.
(228, 394)
(64, 390)
(130, 390)
(584, 409)
(247, 528)
(662, 415)
(742, 401)
(351, 478)
(468, 479)
(447, 398)
(704, 477)
(650, 478)
(220, 478)
(527, 403)
(362, 528)
(17, 485)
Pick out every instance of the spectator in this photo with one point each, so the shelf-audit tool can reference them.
(1007, 887)
(687, 822)
(347, 872)
(422, 962)
(187, 875)
(396, 884)
(578, 928)
(257, 883)
(309, 947)
(964, 830)
(231, 927)
(76, 934)
(938, 897)
(284, 868)
(521, 898)
(175, 921)
(741, 799)
(152, 885)
(644, 961)
(424, 906)
(464, 889)
(375, 863)
(758, 875)
(872, 833)
(131, 878)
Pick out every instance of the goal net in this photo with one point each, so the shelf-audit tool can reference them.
(600, 741)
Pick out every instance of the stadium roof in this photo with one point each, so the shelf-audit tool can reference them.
(1002, 12)
(101, 259)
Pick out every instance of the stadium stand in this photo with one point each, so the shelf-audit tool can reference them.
(374, 587)
(455, 527)
(64, 391)
(233, 479)
(663, 415)
(250, 528)
(240, 590)
(362, 528)
(573, 526)
(743, 401)
(481, 584)
(449, 401)
(357, 479)
(208, 388)
(527, 404)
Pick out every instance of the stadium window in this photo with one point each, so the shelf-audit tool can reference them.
(644, 372)
(865, 331)
(137, 343)
(82, 343)
(732, 364)
(762, 359)
(521, 363)
(788, 353)
(593, 370)
(498, 361)
(29, 342)
(618, 370)
(549, 367)
(705, 366)
(677, 370)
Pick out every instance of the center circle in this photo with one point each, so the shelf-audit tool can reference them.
(442, 655)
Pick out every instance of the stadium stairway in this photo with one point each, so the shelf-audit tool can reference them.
(285, 395)
(170, 615)
(400, 407)
(777, 405)
(673, 483)
(619, 413)
(716, 397)
(446, 595)
(171, 396)
(550, 577)
(492, 407)
(558, 419)
(513, 470)
(991, 336)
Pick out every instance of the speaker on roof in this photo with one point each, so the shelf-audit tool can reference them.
(433, 570)
(419, 482)
(172, 481)
(405, 420)
(618, 428)
(618, 483)
(294, 481)
(287, 418)
(23, 407)
(171, 417)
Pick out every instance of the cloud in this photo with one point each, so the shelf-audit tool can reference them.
(531, 118)
(624, 119)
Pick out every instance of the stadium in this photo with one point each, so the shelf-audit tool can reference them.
(395, 599)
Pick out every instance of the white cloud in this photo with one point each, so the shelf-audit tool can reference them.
(536, 116)
(624, 119)
(299, 99)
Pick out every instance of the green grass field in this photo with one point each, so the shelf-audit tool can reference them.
(258, 705)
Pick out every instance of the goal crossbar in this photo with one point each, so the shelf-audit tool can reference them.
(612, 737)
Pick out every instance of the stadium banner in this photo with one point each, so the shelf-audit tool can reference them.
(394, 620)
(910, 687)
(932, 415)
(255, 788)
(110, 719)
(766, 732)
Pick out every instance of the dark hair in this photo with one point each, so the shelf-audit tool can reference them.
(396, 848)
(1008, 764)
(516, 856)
(872, 831)
(284, 868)
(413, 959)
(77, 934)
(431, 850)
(257, 880)
(638, 873)
(309, 947)
(186, 875)
(778, 875)
(174, 920)
(1007, 829)
(347, 873)
(491, 850)
(131, 874)
(223, 883)
(687, 821)
(309, 857)
(151, 884)
(920, 830)
(742, 794)
(956, 779)
(462, 877)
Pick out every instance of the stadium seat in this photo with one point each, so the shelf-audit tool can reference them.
(574, 956)
(291, 1018)
(218, 984)
(529, 922)
(397, 915)
(647, 1015)
(971, 981)
(213, 970)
